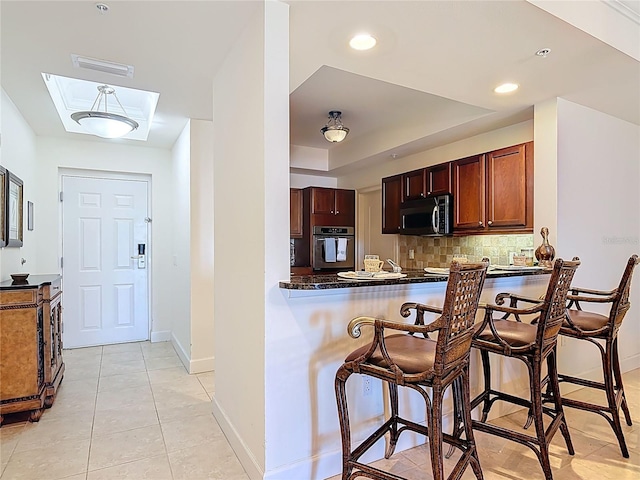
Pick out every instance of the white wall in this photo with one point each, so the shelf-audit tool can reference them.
(54, 154)
(298, 180)
(201, 187)
(598, 219)
(239, 246)
(181, 246)
(18, 155)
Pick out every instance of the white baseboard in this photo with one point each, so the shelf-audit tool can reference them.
(202, 365)
(245, 456)
(631, 363)
(182, 353)
(161, 336)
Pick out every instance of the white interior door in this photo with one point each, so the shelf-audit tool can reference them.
(105, 286)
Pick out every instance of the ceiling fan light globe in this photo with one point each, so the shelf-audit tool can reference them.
(105, 125)
(335, 134)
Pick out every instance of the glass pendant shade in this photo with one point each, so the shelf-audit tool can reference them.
(105, 124)
(334, 131)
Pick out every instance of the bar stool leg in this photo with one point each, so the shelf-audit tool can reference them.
(618, 375)
(464, 399)
(434, 417)
(393, 429)
(611, 398)
(535, 378)
(554, 385)
(486, 370)
(343, 417)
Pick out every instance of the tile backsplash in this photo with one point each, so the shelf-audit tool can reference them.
(439, 251)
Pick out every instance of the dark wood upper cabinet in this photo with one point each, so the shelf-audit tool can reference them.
(332, 206)
(295, 212)
(469, 193)
(510, 187)
(492, 192)
(391, 200)
(322, 201)
(413, 185)
(345, 205)
(438, 179)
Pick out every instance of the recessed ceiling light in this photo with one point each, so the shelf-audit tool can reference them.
(363, 41)
(506, 88)
(543, 52)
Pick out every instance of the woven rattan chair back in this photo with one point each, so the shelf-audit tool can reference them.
(458, 316)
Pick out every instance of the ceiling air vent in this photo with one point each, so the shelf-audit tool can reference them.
(105, 66)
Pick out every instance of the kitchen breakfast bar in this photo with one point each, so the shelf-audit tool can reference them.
(317, 343)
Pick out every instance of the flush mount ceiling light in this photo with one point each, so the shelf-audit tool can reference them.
(334, 131)
(363, 41)
(104, 123)
(506, 88)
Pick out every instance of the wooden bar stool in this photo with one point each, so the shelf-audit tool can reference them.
(418, 363)
(532, 343)
(591, 327)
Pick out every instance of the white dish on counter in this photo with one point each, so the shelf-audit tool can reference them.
(437, 270)
(371, 275)
(516, 268)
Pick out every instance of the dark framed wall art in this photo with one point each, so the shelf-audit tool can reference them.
(3, 206)
(14, 210)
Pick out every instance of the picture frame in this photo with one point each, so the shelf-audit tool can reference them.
(3, 206)
(14, 210)
(29, 216)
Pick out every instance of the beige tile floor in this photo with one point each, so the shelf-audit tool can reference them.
(126, 411)
(131, 412)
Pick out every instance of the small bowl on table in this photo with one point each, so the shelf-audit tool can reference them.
(19, 277)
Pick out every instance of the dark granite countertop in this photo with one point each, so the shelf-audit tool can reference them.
(329, 281)
(33, 281)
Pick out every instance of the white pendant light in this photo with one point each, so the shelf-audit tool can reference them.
(104, 123)
(334, 131)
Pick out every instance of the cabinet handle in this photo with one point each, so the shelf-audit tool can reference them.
(480, 223)
(489, 223)
(422, 195)
(337, 212)
(331, 211)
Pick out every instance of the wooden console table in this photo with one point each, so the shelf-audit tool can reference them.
(31, 364)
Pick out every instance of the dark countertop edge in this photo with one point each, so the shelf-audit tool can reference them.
(33, 281)
(332, 281)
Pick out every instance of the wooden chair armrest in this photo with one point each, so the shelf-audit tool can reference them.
(419, 307)
(603, 296)
(578, 290)
(355, 325)
(515, 298)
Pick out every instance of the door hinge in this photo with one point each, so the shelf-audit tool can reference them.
(60, 196)
(61, 262)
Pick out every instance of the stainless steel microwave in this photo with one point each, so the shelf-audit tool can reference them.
(430, 216)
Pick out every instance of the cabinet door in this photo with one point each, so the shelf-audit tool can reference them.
(438, 179)
(509, 179)
(345, 207)
(469, 193)
(413, 185)
(322, 201)
(295, 213)
(391, 199)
